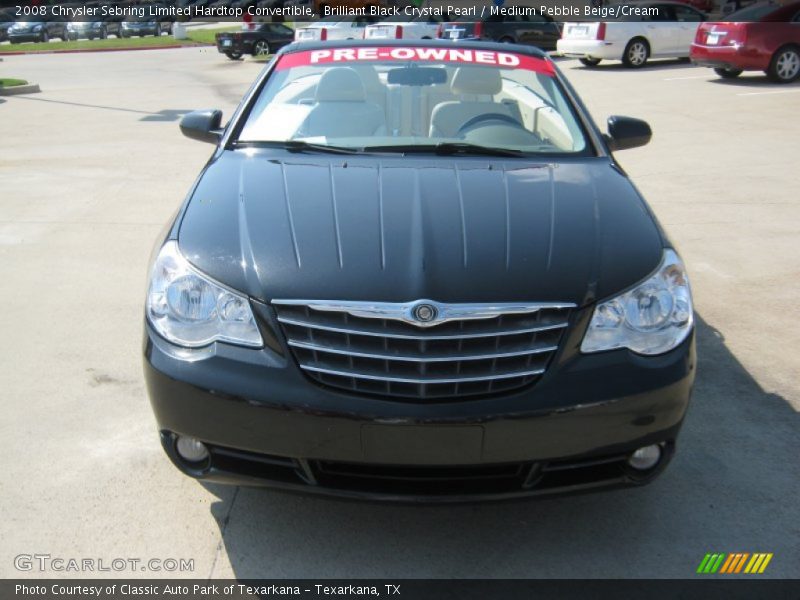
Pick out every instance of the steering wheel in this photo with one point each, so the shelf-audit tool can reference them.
(487, 117)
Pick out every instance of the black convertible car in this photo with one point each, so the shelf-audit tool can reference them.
(263, 38)
(417, 272)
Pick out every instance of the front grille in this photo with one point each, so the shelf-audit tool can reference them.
(391, 357)
(456, 480)
(422, 480)
(427, 482)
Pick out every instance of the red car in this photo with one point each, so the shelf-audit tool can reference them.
(762, 37)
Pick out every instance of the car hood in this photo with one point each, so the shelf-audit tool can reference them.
(305, 226)
(25, 26)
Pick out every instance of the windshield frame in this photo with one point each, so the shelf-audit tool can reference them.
(595, 144)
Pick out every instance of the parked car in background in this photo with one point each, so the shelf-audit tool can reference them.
(334, 28)
(634, 42)
(540, 30)
(142, 26)
(6, 21)
(36, 29)
(319, 7)
(93, 29)
(403, 28)
(264, 38)
(763, 37)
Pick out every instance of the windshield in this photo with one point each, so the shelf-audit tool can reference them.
(415, 97)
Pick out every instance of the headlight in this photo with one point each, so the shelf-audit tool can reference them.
(37, 28)
(189, 309)
(652, 318)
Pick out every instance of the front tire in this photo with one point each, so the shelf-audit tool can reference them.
(590, 62)
(727, 73)
(785, 65)
(45, 37)
(636, 53)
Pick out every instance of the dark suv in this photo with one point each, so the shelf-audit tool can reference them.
(533, 30)
(36, 29)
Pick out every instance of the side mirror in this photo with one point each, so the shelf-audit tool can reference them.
(203, 125)
(626, 132)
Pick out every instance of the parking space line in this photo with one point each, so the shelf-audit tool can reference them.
(792, 91)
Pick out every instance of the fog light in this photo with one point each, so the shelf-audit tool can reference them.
(645, 458)
(191, 449)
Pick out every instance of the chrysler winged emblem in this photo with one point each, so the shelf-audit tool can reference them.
(423, 313)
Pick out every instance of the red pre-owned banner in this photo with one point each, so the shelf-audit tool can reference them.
(503, 60)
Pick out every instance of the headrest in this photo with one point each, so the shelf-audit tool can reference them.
(474, 80)
(340, 84)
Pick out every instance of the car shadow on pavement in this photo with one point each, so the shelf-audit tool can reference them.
(616, 65)
(754, 80)
(732, 487)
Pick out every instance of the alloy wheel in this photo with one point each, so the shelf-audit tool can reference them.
(787, 65)
(637, 54)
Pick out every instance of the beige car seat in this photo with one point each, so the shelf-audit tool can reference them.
(447, 118)
(341, 108)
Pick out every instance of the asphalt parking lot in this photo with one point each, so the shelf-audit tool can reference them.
(93, 167)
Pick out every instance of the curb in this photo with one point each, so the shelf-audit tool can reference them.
(82, 50)
(30, 88)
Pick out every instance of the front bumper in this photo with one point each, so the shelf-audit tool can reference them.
(267, 424)
(76, 34)
(16, 38)
(140, 31)
(589, 49)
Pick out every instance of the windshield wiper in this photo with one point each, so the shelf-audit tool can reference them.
(467, 148)
(448, 148)
(301, 146)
